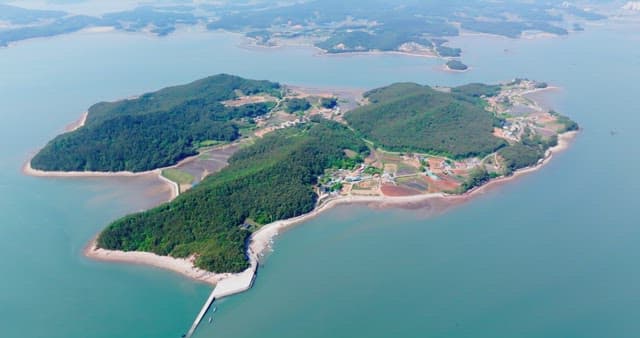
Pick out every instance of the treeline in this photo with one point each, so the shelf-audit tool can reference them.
(411, 117)
(295, 104)
(213, 89)
(328, 102)
(526, 153)
(477, 177)
(156, 130)
(354, 41)
(476, 90)
(456, 65)
(566, 123)
(267, 181)
(518, 156)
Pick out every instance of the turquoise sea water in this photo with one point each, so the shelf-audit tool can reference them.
(553, 254)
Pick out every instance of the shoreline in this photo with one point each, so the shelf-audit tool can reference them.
(260, 241)
(77, 124)
(446, 69)
(28, 170)
(252, 43)
(322, 52)
(183, 266)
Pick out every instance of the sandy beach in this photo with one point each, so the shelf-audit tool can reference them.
(261, 240)
(180, 265)
(251, 43)
(77, 124)
(322, 52)
(28, 170)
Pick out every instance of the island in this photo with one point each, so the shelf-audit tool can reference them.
(416, 28)
(333, 26)
(285, 154)
(456, 65)
(17, 24)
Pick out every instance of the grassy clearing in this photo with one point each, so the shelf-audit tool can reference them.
(178, 176)
(210, 143)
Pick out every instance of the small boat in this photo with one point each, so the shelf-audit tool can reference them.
(210, 320)
(214, 309)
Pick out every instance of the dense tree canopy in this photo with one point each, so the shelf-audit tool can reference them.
(477, 90)
(156, 129)
(267, 181)
(296, 105)
(520, 156)
(411, 117)
(456, 65)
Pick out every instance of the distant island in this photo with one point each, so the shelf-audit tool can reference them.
(22, 23)
(456, 65)
(415, 27)
(334, 26)
(295, 154)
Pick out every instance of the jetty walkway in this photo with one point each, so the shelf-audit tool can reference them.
(232, 285)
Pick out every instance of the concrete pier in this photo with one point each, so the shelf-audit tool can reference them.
(231, 285)
(203, 311)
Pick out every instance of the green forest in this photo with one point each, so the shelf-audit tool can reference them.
(411, 117)
(294, 105)
(273, 178)
(156, 129)
(532, 148)
(456, 65)
(354, 41)
(270, 180)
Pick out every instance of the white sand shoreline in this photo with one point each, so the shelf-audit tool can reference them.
(252, 43)
(262, 239)
(77, 124)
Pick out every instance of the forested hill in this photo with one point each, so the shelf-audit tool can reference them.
(156, 129)
(411, 117)
(268, 181)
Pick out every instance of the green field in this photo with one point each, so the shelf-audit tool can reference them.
(178, 176)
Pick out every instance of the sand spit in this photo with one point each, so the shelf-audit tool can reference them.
(180, 265)
(28, 170)
(77, 124)
(322, 52)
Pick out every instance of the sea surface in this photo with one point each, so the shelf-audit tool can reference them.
(553, 254)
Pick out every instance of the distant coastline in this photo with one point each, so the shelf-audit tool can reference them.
(252, 43)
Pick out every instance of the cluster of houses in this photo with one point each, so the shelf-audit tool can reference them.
(515, 88)
(343, 176)
(512, 130)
